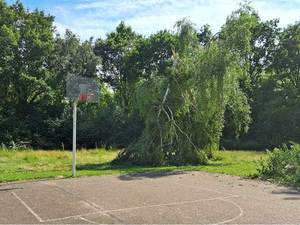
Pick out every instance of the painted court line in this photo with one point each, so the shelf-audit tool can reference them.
(192, 186)
(223, 199)
(75, 216)
(89, 221)
(91, 204)
(28, 208)
(167, 204)
(110, 212)
(152, 206)
(235, 218)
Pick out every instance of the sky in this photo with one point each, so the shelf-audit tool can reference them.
(96, 18)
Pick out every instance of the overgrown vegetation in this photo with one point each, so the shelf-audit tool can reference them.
(172, 98)
(38, 164)
(184, 109)
(283, 164)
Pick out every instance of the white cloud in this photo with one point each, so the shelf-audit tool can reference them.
(288, 11)
(96, 18)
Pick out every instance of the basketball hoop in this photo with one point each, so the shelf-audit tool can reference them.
(81, 89)
(86, 97)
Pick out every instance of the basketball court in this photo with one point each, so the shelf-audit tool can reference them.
(150, 198)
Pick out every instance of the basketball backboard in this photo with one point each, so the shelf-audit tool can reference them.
(83, 89)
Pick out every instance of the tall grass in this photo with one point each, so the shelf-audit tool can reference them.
(30, 164)
(239, 163)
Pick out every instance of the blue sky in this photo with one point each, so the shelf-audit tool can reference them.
(98, 17)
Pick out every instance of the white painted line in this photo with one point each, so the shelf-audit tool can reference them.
(192, 186)
(223, 199)
(28, 208)
(168, 204)
(89, 221)
(152, 206)
(108, 212)
(240, 215)
(87, 202)
(71, 217)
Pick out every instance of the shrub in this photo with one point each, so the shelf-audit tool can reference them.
(282, 165)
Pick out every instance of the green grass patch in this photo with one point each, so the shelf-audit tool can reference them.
(239, 163)
(29, 164)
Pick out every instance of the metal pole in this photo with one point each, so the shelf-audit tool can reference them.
(74, 137)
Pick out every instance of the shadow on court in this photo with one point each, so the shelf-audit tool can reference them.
(141, 176)
(149, 198)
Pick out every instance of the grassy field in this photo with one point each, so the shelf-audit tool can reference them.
(29, 164)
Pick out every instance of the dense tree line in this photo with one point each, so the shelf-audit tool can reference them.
(170, 98)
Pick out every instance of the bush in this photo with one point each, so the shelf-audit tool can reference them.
(283, 164)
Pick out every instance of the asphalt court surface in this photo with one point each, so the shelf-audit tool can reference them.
(149, 198)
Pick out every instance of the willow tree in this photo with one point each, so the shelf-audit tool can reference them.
(184, 110)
